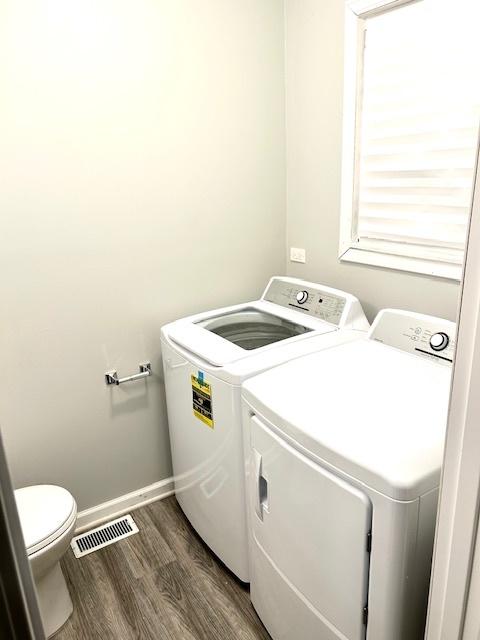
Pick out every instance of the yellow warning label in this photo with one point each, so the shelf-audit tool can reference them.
(202, 401)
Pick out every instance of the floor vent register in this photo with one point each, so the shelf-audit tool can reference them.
(104, 535)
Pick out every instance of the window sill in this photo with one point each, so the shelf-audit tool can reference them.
(436, 268)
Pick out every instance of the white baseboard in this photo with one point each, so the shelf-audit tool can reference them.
(117, 507)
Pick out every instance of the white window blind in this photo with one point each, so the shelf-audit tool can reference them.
(418, 114)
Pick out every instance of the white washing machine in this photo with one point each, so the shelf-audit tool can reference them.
(206, 358)
(345, 448)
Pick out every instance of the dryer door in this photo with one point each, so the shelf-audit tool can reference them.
(310, 556)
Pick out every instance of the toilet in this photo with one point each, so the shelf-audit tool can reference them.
(48, 516)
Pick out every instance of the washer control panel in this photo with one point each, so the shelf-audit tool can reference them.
(314, 301)
(418, 334)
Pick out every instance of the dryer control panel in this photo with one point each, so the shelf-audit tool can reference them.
(421, 335)
(314, 301)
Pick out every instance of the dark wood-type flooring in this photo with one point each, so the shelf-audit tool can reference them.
(160, 584)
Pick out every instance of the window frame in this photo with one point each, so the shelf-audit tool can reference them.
(440, 262)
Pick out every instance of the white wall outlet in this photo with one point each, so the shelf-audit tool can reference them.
(297, 255)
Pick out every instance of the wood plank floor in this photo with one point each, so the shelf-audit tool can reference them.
(160, 584)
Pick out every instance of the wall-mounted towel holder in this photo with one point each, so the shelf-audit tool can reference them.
(111, 377)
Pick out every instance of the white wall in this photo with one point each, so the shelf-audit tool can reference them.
(142, 178)
(314, 90)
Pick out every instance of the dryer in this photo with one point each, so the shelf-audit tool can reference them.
(206, 358)
(345, 449)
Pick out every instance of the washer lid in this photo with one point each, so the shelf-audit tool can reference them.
(252, 328)
(368, 409)
(45, 511)
(204, 337)
(204, 344)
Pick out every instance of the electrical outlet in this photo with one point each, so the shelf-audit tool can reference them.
(297, 255)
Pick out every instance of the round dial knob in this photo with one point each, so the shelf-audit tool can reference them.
(302, 296)
(439, 341)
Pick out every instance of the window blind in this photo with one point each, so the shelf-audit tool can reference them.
(419, 114)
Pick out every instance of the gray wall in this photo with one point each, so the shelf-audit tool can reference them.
(142, 164)
(143, 178)
(314, 88)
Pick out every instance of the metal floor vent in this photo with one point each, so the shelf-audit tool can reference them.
(102, 536)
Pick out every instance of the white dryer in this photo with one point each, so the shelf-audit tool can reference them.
(206, 358)
(345, 450)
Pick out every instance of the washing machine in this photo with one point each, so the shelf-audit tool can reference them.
(206, 357)
(344, 453)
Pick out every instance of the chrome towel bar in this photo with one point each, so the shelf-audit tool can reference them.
(111, 377)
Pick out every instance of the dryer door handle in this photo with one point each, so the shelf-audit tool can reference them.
(260, 487)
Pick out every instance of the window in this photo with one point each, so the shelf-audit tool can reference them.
(411, 118)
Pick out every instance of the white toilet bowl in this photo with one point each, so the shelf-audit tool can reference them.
(48, 515)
